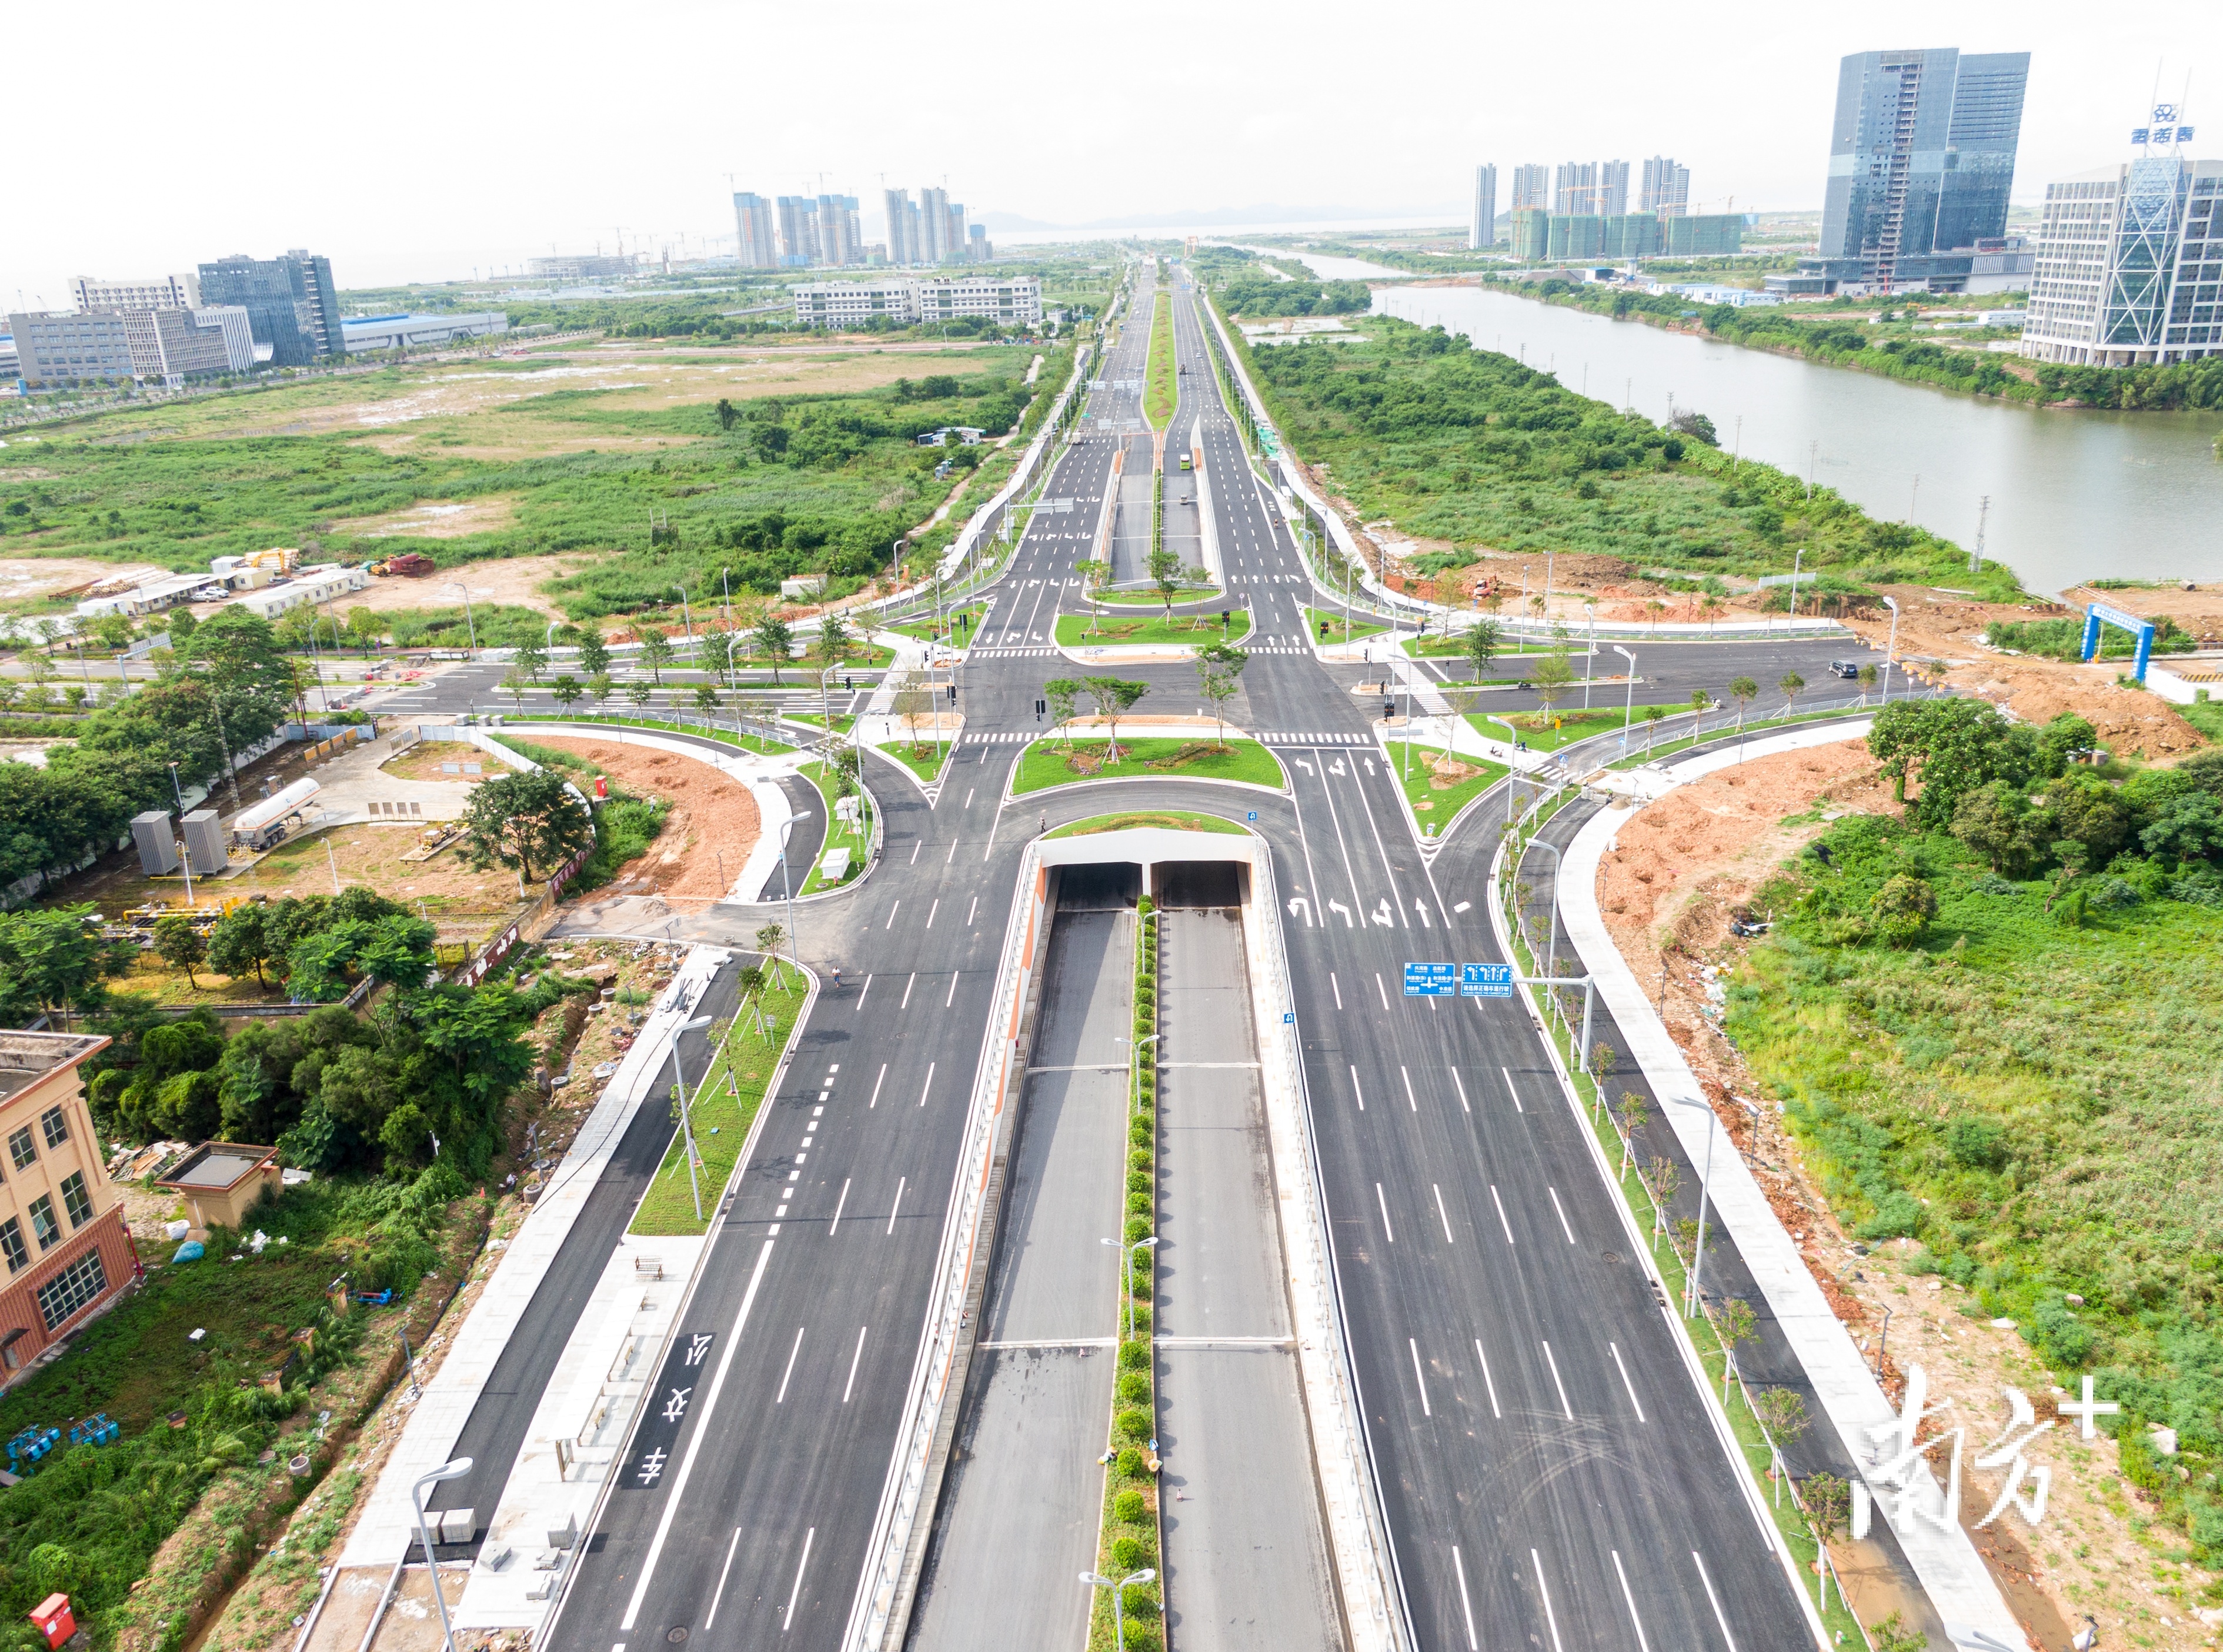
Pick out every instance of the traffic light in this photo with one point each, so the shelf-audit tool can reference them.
(1040, 706)
(953, 694)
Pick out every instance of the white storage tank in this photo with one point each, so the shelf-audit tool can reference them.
(265, 823)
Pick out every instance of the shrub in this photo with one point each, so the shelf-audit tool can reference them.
(1977, 1143)
(1133, 1356)
(1129, 1506)
(1129, 1554)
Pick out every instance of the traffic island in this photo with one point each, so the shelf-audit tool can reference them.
(1049, 763)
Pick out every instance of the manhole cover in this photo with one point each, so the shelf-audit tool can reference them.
(675, 1636)
(1612, 1256)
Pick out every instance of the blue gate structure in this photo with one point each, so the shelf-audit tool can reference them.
(2099, 614)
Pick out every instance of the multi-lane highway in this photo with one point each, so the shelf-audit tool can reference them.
(1549, 1474)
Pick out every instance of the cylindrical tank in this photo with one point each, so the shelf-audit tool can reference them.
(249, 821)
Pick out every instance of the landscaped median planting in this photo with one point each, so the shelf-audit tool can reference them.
(1167, 820)
(1338, 627)
(1438, 785)
(1131, 1534)
(1054, 762)
(1134, 631)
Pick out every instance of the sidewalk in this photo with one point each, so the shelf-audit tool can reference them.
(1946, 1561)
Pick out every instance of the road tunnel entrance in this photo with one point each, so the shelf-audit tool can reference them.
(1192, 885)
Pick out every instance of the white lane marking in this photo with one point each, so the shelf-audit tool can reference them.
(969, 911)
(861, 991)
(1556, 1205)
(1380, 988)
(901, 1182)
(793, 1593)
(1557, 1383)
(1643, 1644)
(1625, 1384)
(877, 1082)
(1550, 1616)
(908, 985)
(970, 790)
(915, 848)
(1355, 1091)
(1446, 1214)
(1419, 1377)
(1465, 1605)
(1501, 1222)
(780, 1398)
(1382, 1201)
(673, 1497)
(1487, 1381)
(952, 854)
(890, 924)
(951, 998)
(1461, 1090)
(840, 1205)
(856, 1359)
(930, 911)
(715, 1593)
(1509, 1090)
(1720, 1617)
(928, 1085)
(1338, 988)
(1409, 1101)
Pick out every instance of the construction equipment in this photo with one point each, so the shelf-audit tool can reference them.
(410, 565)
(432, 839)
(25, 1450)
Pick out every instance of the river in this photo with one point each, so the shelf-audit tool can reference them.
(2074, 495)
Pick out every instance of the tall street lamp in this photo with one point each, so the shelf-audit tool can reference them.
(1134, 1061)
(1127, 1263)
(186, 860)
(1628, 707)
(1694, 1293)
(1119, 1622)
(686, 619)
(1512, 761)
(453, 1469)
(1890, 650)
(686, 1122)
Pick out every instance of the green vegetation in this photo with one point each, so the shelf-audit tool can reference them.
(2065, 639)
(1171, 820)
(1839, 341)
(836, 777)
(1470, 446)
(1161, 385)
(723, 736)
(1435, 807)
(1994, 1026)
(1050, 762)
(925, 758)
(1333, 619)
(1193, 630)
(1245, 286)
(624, 827)
(956, 625)
(1547, 731)
(724, 1105)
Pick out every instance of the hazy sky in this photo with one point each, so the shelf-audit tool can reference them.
(417, 141)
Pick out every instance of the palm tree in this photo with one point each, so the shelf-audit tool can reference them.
(1652, 610)
(1791, 683)
(1867, 682)
(1743, 690)
(1710, 606)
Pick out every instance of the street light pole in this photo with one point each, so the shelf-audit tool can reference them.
(1628, 707)
(1889, 649)
(452, 1470)
(686, 618)
(686, 1123)
(186, 860)
(1512, 761)
(1127, 1263)
(1119, 1622)
(1589, 655)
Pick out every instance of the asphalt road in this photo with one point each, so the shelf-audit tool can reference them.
(1549, 1475)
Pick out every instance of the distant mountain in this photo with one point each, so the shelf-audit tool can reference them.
(1217, 217)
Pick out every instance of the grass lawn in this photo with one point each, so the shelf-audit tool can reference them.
(1438, 646)
(1135, 598)
(857, 839)
(1171, 820)
(1046, 763)
(1333, 618)
(1081, 631)
(726, 737)
(1434, 805)
(927, 761)
(925, 630)
(1548, 731)
(841, 725)
(1161, 387)
(721, 1110)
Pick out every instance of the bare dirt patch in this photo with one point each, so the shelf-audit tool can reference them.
(1677, 871)
(515, 580)
(24, 577)
(706, 839)
(435, 520)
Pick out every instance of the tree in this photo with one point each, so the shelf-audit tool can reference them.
(1653, 717)
(1735, 1323)
(1551, 678)
(1744, 691)
(602, 685)
(727, 413)
(1218, 666)
(1961, 744)
(241, 942)
(833, 637)
(1481, 643)
(565, 691)
(913, 702)
(1902, 909)
(1114, 697)
(366, 628)
(178, 941)
(1166, 576)
(1997, 822)
(1652, 610)
(868, 628)
(517, 686)
(706, 698)
(53, 961)
(1062, 692)
(639, 691)
(1791, 684)
(773, 638)
(768, 939)
(525, 821)
(593, 653)
(1828, 1501)
(1867, 683)
(656, 652)
(1092, 575)
(1783, 1412)
(531, 658)
(1710, 606)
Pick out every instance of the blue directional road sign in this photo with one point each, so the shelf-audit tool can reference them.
(1486, 981)
(1252, 816)
(1431, 980)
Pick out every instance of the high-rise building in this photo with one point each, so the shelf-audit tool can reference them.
(2129, 266)
(933, 210)
(290, 303)
(902, 246)
(953, 234)
(757, 232)
(1574, 188)
(1531, 187)
(1922, 153)
(798, 218)
(978, 249)
(1612, 188)
(1482, 222)
(840, 230)
(1532, 233)
(1664, 187)
(153, 293)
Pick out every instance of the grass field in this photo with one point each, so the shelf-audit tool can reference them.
(1171, 820)
(1547, 731)
(721, 1109)
(925, 630)
(1160, 384)
(1048, 763)
(1360, 625)
(857, 839)
(1081, 631)
(1434, 805)
(724, 736)
(926, 761)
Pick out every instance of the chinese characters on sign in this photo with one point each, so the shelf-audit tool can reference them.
(1904, 1460)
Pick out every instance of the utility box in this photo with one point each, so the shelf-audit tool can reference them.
(158, 844)
(53, 1620)
(204, 849)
